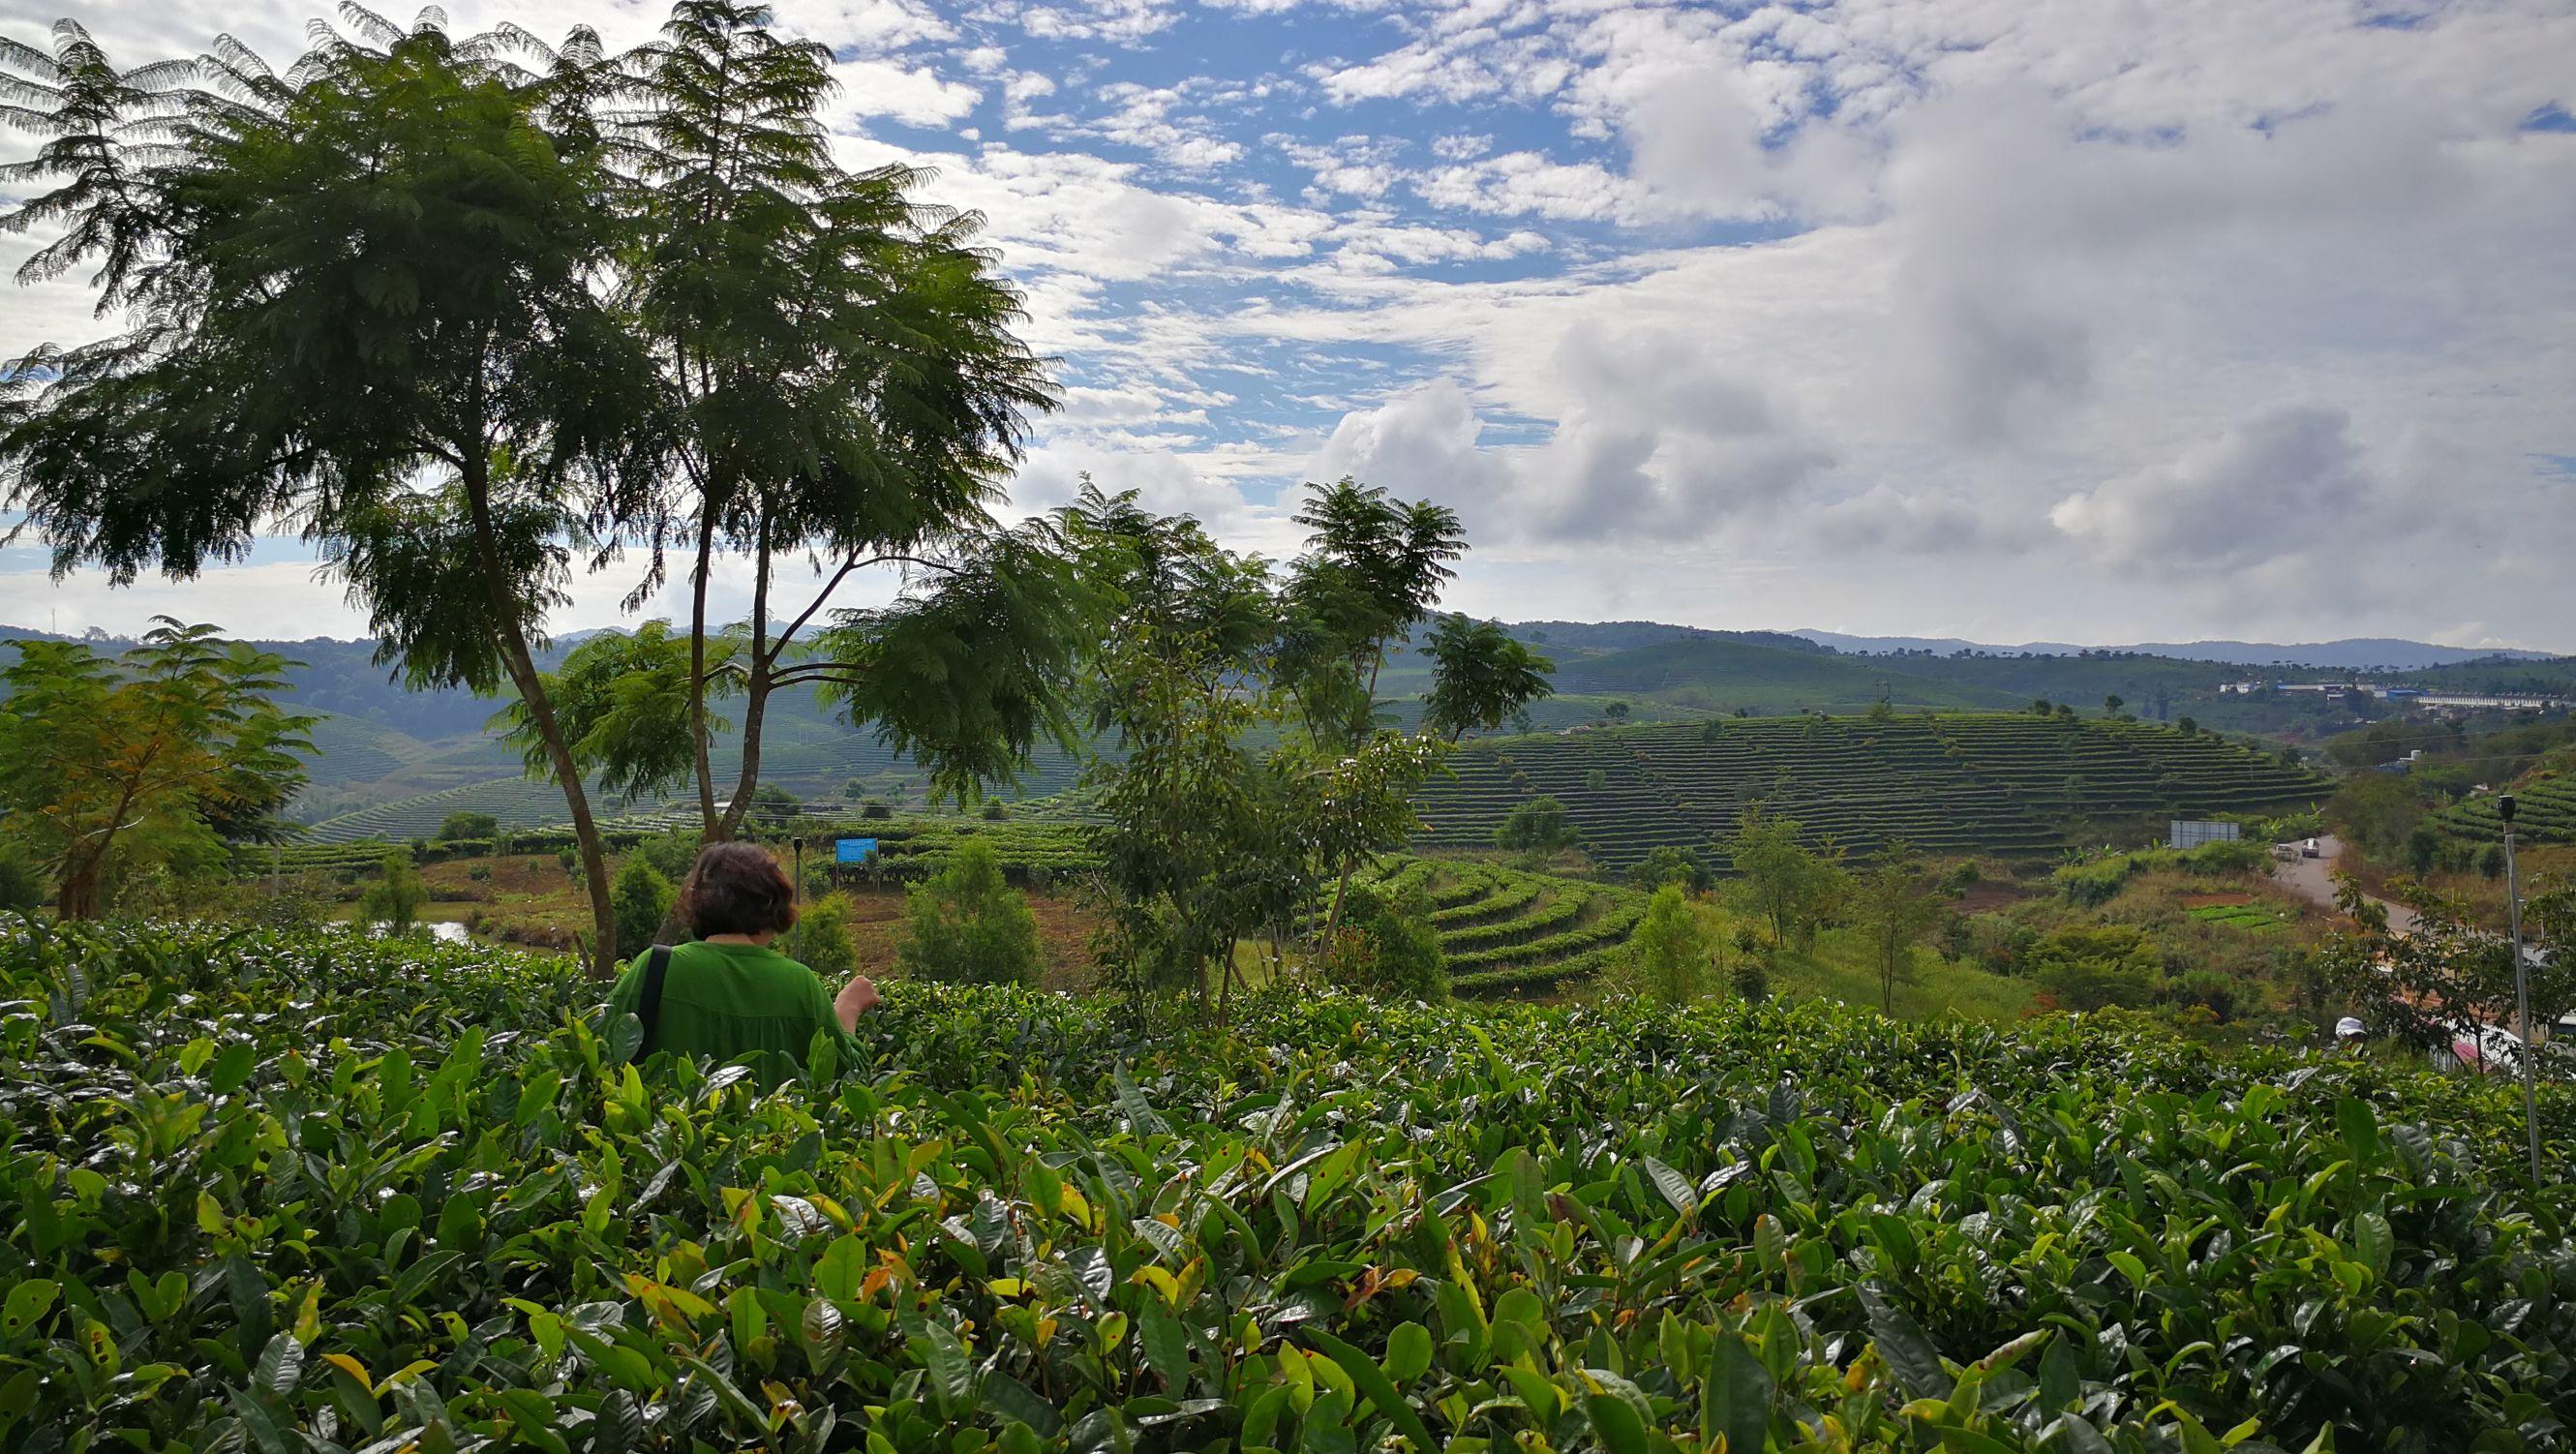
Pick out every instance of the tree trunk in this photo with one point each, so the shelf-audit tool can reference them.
(710, 828)
(601, 961)
(755, 700)
(76, 897)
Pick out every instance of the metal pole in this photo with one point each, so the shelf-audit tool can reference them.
(2530, 1056)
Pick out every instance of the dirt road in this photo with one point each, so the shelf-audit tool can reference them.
(2313, 879)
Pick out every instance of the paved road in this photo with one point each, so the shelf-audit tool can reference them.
(2313, 879)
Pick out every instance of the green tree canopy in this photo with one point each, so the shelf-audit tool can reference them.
(1481, 677)
(151, 759)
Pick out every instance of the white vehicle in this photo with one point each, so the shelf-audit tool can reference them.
(2309, 849)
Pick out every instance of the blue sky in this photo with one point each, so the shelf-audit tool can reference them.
(1990, 318)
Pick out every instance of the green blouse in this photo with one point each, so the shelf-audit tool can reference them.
(723, 1001)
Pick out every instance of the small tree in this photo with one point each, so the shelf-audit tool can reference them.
(1673, 952)
(2187, 726)
(2447, 970)
(2039, 707)
(148, 760)
(1616, 711)
(394, 900)
(1790, 885)
(774, 807)
(1536, 825)
(643, 899)
(1896, 904)
(967, 926)
(464, 824)
(2111, 705)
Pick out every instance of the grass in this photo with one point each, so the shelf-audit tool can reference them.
(1840, 969)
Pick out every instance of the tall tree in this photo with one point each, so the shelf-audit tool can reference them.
(150, 759)
(365, 298)
(839, 356)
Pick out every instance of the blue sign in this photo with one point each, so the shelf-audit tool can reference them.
(853, 850)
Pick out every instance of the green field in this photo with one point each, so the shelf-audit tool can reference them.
(324, 1192)
(1985, 783)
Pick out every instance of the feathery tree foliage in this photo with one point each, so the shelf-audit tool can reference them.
(1481, 677)
(1204, 842)
(475, 313)
(840, 362)
(363, 300)
(109, 766)
(618, 697)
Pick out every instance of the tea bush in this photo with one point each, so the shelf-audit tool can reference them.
(322, 1192)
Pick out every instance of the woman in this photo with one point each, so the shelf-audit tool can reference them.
(729, 994)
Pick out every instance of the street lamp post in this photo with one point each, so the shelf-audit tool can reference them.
(2530, 1056)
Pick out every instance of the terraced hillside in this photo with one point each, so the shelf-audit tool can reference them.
(2544, 812)
(1952, 783)
(1509, 933)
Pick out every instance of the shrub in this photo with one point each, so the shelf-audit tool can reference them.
(465, 823)
(479, 872)
(1919, 1196)
(2092, 884)
(966, 925)
(1673, 950)
(1668, 864)
(2092, 967)
(670, 853)
(994, 811)
(641, 898)
(394, 899)
(1387, 947)
(1537, 824)
(1751, 979)
(875, 808)
(821, 939)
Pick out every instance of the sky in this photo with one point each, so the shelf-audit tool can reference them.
(2091, 320)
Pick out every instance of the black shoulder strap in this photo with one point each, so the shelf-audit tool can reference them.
(648, 1006)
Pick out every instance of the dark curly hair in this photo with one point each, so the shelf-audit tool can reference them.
(737, 888)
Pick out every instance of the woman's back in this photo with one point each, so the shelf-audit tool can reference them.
(729, 994)
(724, 1000)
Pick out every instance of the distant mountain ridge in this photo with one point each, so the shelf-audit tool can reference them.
(2350, 653)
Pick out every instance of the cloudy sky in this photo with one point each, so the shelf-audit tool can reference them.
(2097, 320)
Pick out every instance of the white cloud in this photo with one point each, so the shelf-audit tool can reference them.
(912, 94)
(2285, 477)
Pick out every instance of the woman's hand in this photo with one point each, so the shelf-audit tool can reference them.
(856, 998)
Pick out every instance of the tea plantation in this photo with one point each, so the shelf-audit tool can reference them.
(1506, 932)
(2544, 812)
(267, 1193)
(1998, 783)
